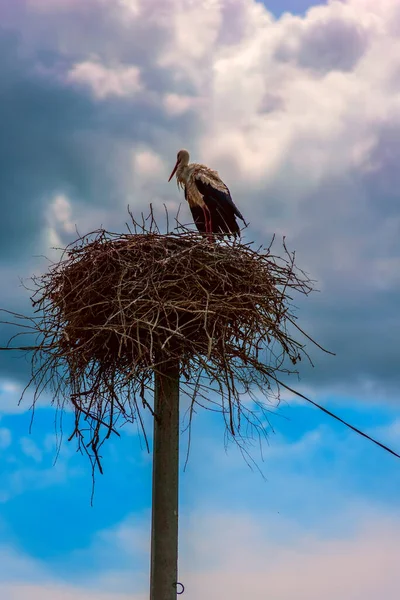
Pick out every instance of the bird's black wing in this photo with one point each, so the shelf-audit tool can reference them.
(221, 206)
(222, 197)
(198, 216)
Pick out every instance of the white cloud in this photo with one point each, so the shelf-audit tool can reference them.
(132, 7)
(59, 592)
(60, 214)
(5, 438)
(240, 561)
(26, 479)
(14, 563)
(388, 434)
(49, 5)
(10, 398)
(30, 449)
(60, 223)
(177, 104)
(107, 81)
(148, 164)
(10, 394)
(235, 555)
(43, 464)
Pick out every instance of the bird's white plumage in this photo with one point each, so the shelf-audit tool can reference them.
(186, 177)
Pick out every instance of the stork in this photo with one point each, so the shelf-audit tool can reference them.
(208, 197)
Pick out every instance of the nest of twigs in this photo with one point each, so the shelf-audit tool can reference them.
(117, 306)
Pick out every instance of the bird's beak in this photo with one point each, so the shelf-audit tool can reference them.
(173, 172)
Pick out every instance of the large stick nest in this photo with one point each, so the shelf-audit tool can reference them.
(116, 307)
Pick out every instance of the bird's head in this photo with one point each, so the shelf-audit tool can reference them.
(182, 160)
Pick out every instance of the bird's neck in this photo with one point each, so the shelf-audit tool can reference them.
(182, 173)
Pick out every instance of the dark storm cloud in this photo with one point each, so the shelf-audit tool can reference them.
(382, 181)
(343, 241)
(38, 152)
(363, 331)
(106, 31)
(56, 138)
(334, 45)
(53, 139)
(333, 189)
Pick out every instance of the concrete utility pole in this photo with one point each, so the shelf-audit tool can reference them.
(164, 526)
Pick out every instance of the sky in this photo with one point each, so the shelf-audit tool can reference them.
(297, 105)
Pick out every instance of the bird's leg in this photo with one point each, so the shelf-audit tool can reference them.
(207, 216)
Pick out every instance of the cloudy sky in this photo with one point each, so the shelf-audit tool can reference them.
(297, 105)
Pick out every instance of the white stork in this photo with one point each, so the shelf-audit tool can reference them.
(208, 197)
